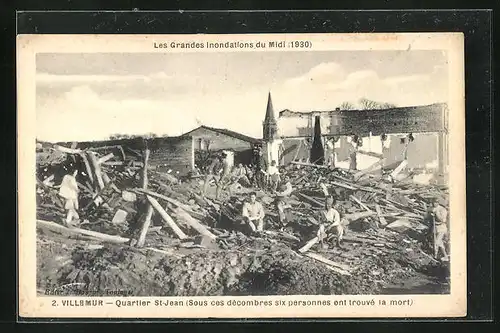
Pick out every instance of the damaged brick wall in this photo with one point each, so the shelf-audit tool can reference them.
(174, 153)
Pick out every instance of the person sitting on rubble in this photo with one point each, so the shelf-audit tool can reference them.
(240, 175)
(274, 176)
(253, 213)
(438, 214)
(213, 172)
(69, 191)
(330, 218)
(281, 201)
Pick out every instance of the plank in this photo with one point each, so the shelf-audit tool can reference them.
(145, 227)
(67, 150)
(171, 223)
(97, 169)
(87, 167)
(172, 201)
(105, 158)
(195, 224)
(360, 203)
(399, 168)
(95, 234)
(349, 187)
(145, 169)
(319, 257)
(380, 217)
(310, 200)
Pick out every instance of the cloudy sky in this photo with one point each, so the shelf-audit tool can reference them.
(92, 96)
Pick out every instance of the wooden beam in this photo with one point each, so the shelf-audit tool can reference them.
(360, 203)
(309, 244)
(97, 235)
(311, 165)
(349, 187)
(380, 216)
(400, 168)
(105, 158)
(156, 205)
(327, 261)
(193, 223)
(369, 153)
(145, 227)
(97, 169)
(87, 167)
(145, 169)
(375, 166)
(359, 215)
(309, 199)
(67, 150)
(163, 197)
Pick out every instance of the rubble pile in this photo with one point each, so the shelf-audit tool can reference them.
(152, 233)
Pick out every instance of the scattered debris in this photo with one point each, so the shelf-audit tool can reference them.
(152, 233)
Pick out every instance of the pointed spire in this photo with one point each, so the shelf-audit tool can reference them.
(270, 125)
(270, 118)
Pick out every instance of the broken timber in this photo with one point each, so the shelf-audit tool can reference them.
(97, 169)
(194, 223)
(145, 170)
(156, 205)
(94, 234)
(172, 201)
(375, 166)
(360, 203)
(329, 262)
(145, 227)
(380, 216)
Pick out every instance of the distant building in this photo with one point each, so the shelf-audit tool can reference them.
(211, 139)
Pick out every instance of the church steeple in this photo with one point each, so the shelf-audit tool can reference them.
(270, 125)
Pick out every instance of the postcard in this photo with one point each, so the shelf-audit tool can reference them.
(241, 176)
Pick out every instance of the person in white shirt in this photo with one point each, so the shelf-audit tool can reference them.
(69, 191)
(274, 176)
(330, 219)
(330, 153)
(253, 213)
(281, 200)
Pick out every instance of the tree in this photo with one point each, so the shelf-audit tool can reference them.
(367, 104)
(346, 106)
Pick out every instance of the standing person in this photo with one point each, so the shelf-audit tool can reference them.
(261, 170)
(225, 177)
(330, 153)
(212, 173)
(281, 201)
(353, 151)
(330, 218)
(439, 217)
(253, 213)
(274, 176)
(69, 191)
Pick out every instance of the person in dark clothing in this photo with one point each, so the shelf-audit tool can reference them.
(261, 169)
(213, 172)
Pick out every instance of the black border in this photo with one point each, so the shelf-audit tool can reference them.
(476, 25)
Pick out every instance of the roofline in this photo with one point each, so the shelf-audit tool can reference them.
(333, 111)
(244, 137)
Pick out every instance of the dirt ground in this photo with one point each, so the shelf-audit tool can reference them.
(253, 266)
